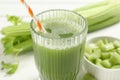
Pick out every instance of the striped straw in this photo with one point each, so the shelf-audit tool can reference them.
(32, 15)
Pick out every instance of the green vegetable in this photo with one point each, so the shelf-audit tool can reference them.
(101, 15)
(104, 53)
(103, 3)
(11, 68)
(98, 62)
(103, 24)
(106, 63)
(105, 46)
(88, 76)
(116, 43)
(116, 67)
(21, 29)
(115, 58)
(16, 36)
(14, 19)
(14, 45)
(118, 50)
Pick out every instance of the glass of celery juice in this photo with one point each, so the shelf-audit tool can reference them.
(58, 52)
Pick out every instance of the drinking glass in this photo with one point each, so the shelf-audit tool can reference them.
(59, 57)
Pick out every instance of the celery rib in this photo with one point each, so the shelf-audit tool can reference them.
(24, 46)
(92, 6)
(100, 13)
(103, 24)
(23, 29)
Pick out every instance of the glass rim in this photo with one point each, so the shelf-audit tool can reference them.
(82, 31)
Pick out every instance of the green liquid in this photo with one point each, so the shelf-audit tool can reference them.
(62, 63)
(56, 64)
(57, 30)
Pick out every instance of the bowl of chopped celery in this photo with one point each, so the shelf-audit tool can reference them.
(102, 58)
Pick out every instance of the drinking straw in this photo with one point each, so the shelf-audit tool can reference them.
(38, 23)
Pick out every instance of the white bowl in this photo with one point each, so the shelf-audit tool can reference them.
(98, 72)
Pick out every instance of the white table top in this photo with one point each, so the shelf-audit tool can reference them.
(27, 69)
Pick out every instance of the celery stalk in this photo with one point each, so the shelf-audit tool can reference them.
(100, 13)
(92, 6)
(18, 30)
(28, 44)
(103, 24)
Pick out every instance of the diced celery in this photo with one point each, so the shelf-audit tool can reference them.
(115, 58)
(118, 51)
(108, 47)
(93, 57)
(106, 41)
(116, 43)
(98, 62)
(86, 54)
(100, 44)
(105, 55)
(106, 63)
(96, 51)
(89, 48)
(105, 47)
(116, 67)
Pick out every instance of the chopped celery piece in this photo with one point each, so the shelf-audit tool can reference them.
(97, 51)
(108, 47)
(116, 43)
(100, 43)
(118, 51)
(105, 55)
(115, 58)
(116, 67)
(90, 47)
(93, 57)
(105, 46)
(98, 62)
(106, 63)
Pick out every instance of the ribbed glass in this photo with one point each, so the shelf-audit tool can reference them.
(59, 58)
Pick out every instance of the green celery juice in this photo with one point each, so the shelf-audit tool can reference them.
(59, 58)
